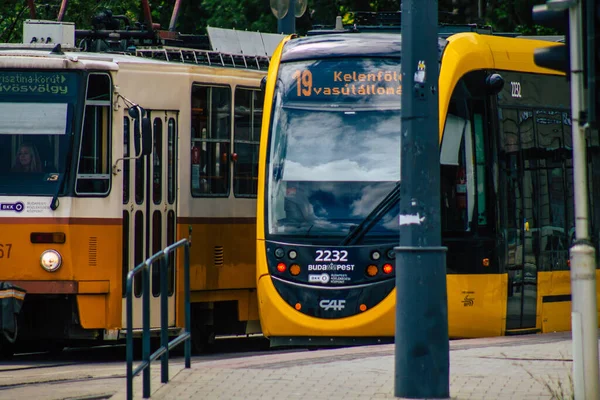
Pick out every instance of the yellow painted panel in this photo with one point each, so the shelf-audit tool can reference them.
(222, 256)
(102, 265)
(253, 306)
(248, 307)
(279, 319)
(89, 287)
(219, 295)
(264, 134)
(476, 305)
(246, 301)
(464, 53)
(468, 52)
(92, 311)
(556, 317)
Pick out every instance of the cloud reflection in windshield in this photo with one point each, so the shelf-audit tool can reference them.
(341, 146)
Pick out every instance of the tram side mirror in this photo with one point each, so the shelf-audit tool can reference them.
(143, 138)
(263, 84)
(494, 84)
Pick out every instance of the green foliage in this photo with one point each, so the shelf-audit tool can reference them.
(513, 16)
(80, 12)
(255, 15)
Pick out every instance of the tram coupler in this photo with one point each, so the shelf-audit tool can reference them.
(11, 301)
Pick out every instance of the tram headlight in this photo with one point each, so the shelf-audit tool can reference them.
(279, 252)
(292, 254)
(51, 260)
(375, 255)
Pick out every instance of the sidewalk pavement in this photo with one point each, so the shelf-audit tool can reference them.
(510, 367)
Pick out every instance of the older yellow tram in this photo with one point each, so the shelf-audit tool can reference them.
(86, 193)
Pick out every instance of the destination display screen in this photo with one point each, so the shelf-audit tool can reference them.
(54, 86)
(353, 81)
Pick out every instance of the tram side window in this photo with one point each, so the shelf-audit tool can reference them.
(464, 170)
(211, 144)
(457, 173)
(247, 125)
(536, 178)
(553, 163)
(93, 170)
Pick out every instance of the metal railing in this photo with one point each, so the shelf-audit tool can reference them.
(165, 344)
(204, 57)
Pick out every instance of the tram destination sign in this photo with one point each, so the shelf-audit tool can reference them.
(38, 84)
(345, 81)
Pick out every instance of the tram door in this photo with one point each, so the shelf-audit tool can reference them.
(520, 217)
(149, 212)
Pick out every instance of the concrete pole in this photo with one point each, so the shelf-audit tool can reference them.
(584, 318)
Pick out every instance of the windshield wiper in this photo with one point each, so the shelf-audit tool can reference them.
(384, 206)
(54, 203)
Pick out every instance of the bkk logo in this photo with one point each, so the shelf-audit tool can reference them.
(321, 278)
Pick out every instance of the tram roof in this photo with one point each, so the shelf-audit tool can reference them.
(347, 45)
(43, 56)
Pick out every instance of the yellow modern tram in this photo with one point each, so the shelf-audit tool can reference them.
(329, 185)
(87, 193)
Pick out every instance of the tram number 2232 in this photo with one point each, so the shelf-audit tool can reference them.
(5, 249)
(331, 255)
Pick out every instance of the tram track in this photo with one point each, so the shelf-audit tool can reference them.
(30, 367)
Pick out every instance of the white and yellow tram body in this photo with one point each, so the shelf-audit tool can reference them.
(74, 226)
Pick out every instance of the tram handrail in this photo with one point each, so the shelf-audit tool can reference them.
(165, 344)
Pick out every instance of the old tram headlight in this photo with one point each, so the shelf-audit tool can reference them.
(51, 260)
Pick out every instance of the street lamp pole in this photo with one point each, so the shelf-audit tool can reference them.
(421, 341)
(287, 24)
(584, 317)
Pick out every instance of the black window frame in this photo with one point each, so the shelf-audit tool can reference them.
(197, 137)
(105, 104)
(257, 95)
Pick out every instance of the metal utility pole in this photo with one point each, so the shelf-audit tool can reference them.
(584, 318)
(421, 341)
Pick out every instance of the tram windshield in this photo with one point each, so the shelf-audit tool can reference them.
(36, 125)
(333, 163)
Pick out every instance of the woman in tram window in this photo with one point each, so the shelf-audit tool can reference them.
(27, 159)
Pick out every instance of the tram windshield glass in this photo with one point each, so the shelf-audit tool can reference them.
(333, 160)
(36, 125)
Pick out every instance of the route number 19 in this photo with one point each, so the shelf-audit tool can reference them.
(303, 82)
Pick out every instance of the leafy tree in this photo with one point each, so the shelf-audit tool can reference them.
(255, 15)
